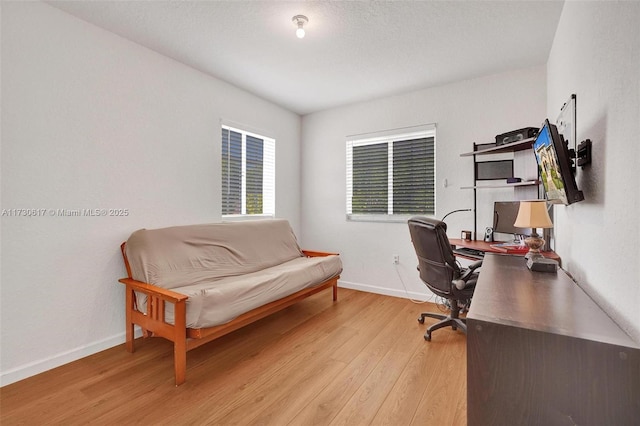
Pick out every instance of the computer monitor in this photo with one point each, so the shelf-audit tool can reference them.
(504, 216)
(555, 166)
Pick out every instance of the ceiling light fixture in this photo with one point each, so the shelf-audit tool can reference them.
(300, 20)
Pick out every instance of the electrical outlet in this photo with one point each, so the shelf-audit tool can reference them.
(396, 259)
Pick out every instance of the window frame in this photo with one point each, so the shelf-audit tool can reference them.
(386, 137)
(268, 183)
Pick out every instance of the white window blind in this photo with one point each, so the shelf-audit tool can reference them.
(391, 175)
(248, 173)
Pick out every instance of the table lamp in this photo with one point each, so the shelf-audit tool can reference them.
(533, 214)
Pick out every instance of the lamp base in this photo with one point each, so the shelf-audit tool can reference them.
(535, 243)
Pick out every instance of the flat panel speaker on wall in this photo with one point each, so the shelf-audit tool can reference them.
(491, 170)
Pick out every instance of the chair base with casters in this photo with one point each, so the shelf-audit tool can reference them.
(452, 320)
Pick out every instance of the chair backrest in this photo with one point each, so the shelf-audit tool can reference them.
(436, 261)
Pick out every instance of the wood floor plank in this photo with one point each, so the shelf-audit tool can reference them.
(287, 404)
(378, 335)
(283, 376)
(361, 360)
(403, 400)
(294, 369)
(364, 404)
(447, 387)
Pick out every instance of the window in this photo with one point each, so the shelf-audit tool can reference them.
(391, 175)
(248, 173)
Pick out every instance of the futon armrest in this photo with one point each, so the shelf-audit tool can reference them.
(162, 293)
(311, 253)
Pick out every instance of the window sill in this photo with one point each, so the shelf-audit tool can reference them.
(241, 217)
(396, 218)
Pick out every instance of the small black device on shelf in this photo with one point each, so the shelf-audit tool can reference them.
(516, 135)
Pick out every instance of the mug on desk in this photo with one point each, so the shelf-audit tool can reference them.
(465, 235)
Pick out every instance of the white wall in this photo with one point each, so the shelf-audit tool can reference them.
(596, 55)
(468, 111)
(92, 121)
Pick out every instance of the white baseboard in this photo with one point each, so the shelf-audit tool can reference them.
(37, 367)
(426, 296)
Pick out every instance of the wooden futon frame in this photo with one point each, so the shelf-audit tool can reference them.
(184, 339)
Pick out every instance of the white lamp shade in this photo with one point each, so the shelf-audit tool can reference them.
(533, 214)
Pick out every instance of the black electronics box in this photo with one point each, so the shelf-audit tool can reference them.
(542, 264)
(516, 135)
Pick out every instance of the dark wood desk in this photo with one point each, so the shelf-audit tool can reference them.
(541, 352)
(486, 247)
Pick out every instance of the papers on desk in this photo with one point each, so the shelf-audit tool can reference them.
(510, 248)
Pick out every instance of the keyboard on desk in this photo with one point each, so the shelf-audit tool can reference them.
(469, 252)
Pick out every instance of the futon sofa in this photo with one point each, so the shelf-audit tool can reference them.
(192, 284)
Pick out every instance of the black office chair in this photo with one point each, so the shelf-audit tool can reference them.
(440, 271)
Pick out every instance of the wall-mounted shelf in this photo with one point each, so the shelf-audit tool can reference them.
(508, 147)
(504, 185)
(521, 189)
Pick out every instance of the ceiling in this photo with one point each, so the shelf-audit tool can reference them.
(353, 51)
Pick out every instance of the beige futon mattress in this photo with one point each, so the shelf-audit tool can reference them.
(218, 302)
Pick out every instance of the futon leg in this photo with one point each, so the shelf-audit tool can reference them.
(180, 343)
(129, 345)
(180, 363)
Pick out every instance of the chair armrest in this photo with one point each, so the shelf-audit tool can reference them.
(311, 253)
(162, 293)
(475, 265)
(461, 282)
(469, 271)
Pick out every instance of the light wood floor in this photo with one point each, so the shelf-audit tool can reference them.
(359, 361)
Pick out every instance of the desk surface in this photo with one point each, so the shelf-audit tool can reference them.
(486, 247)
(541, 352)
(509, 293)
